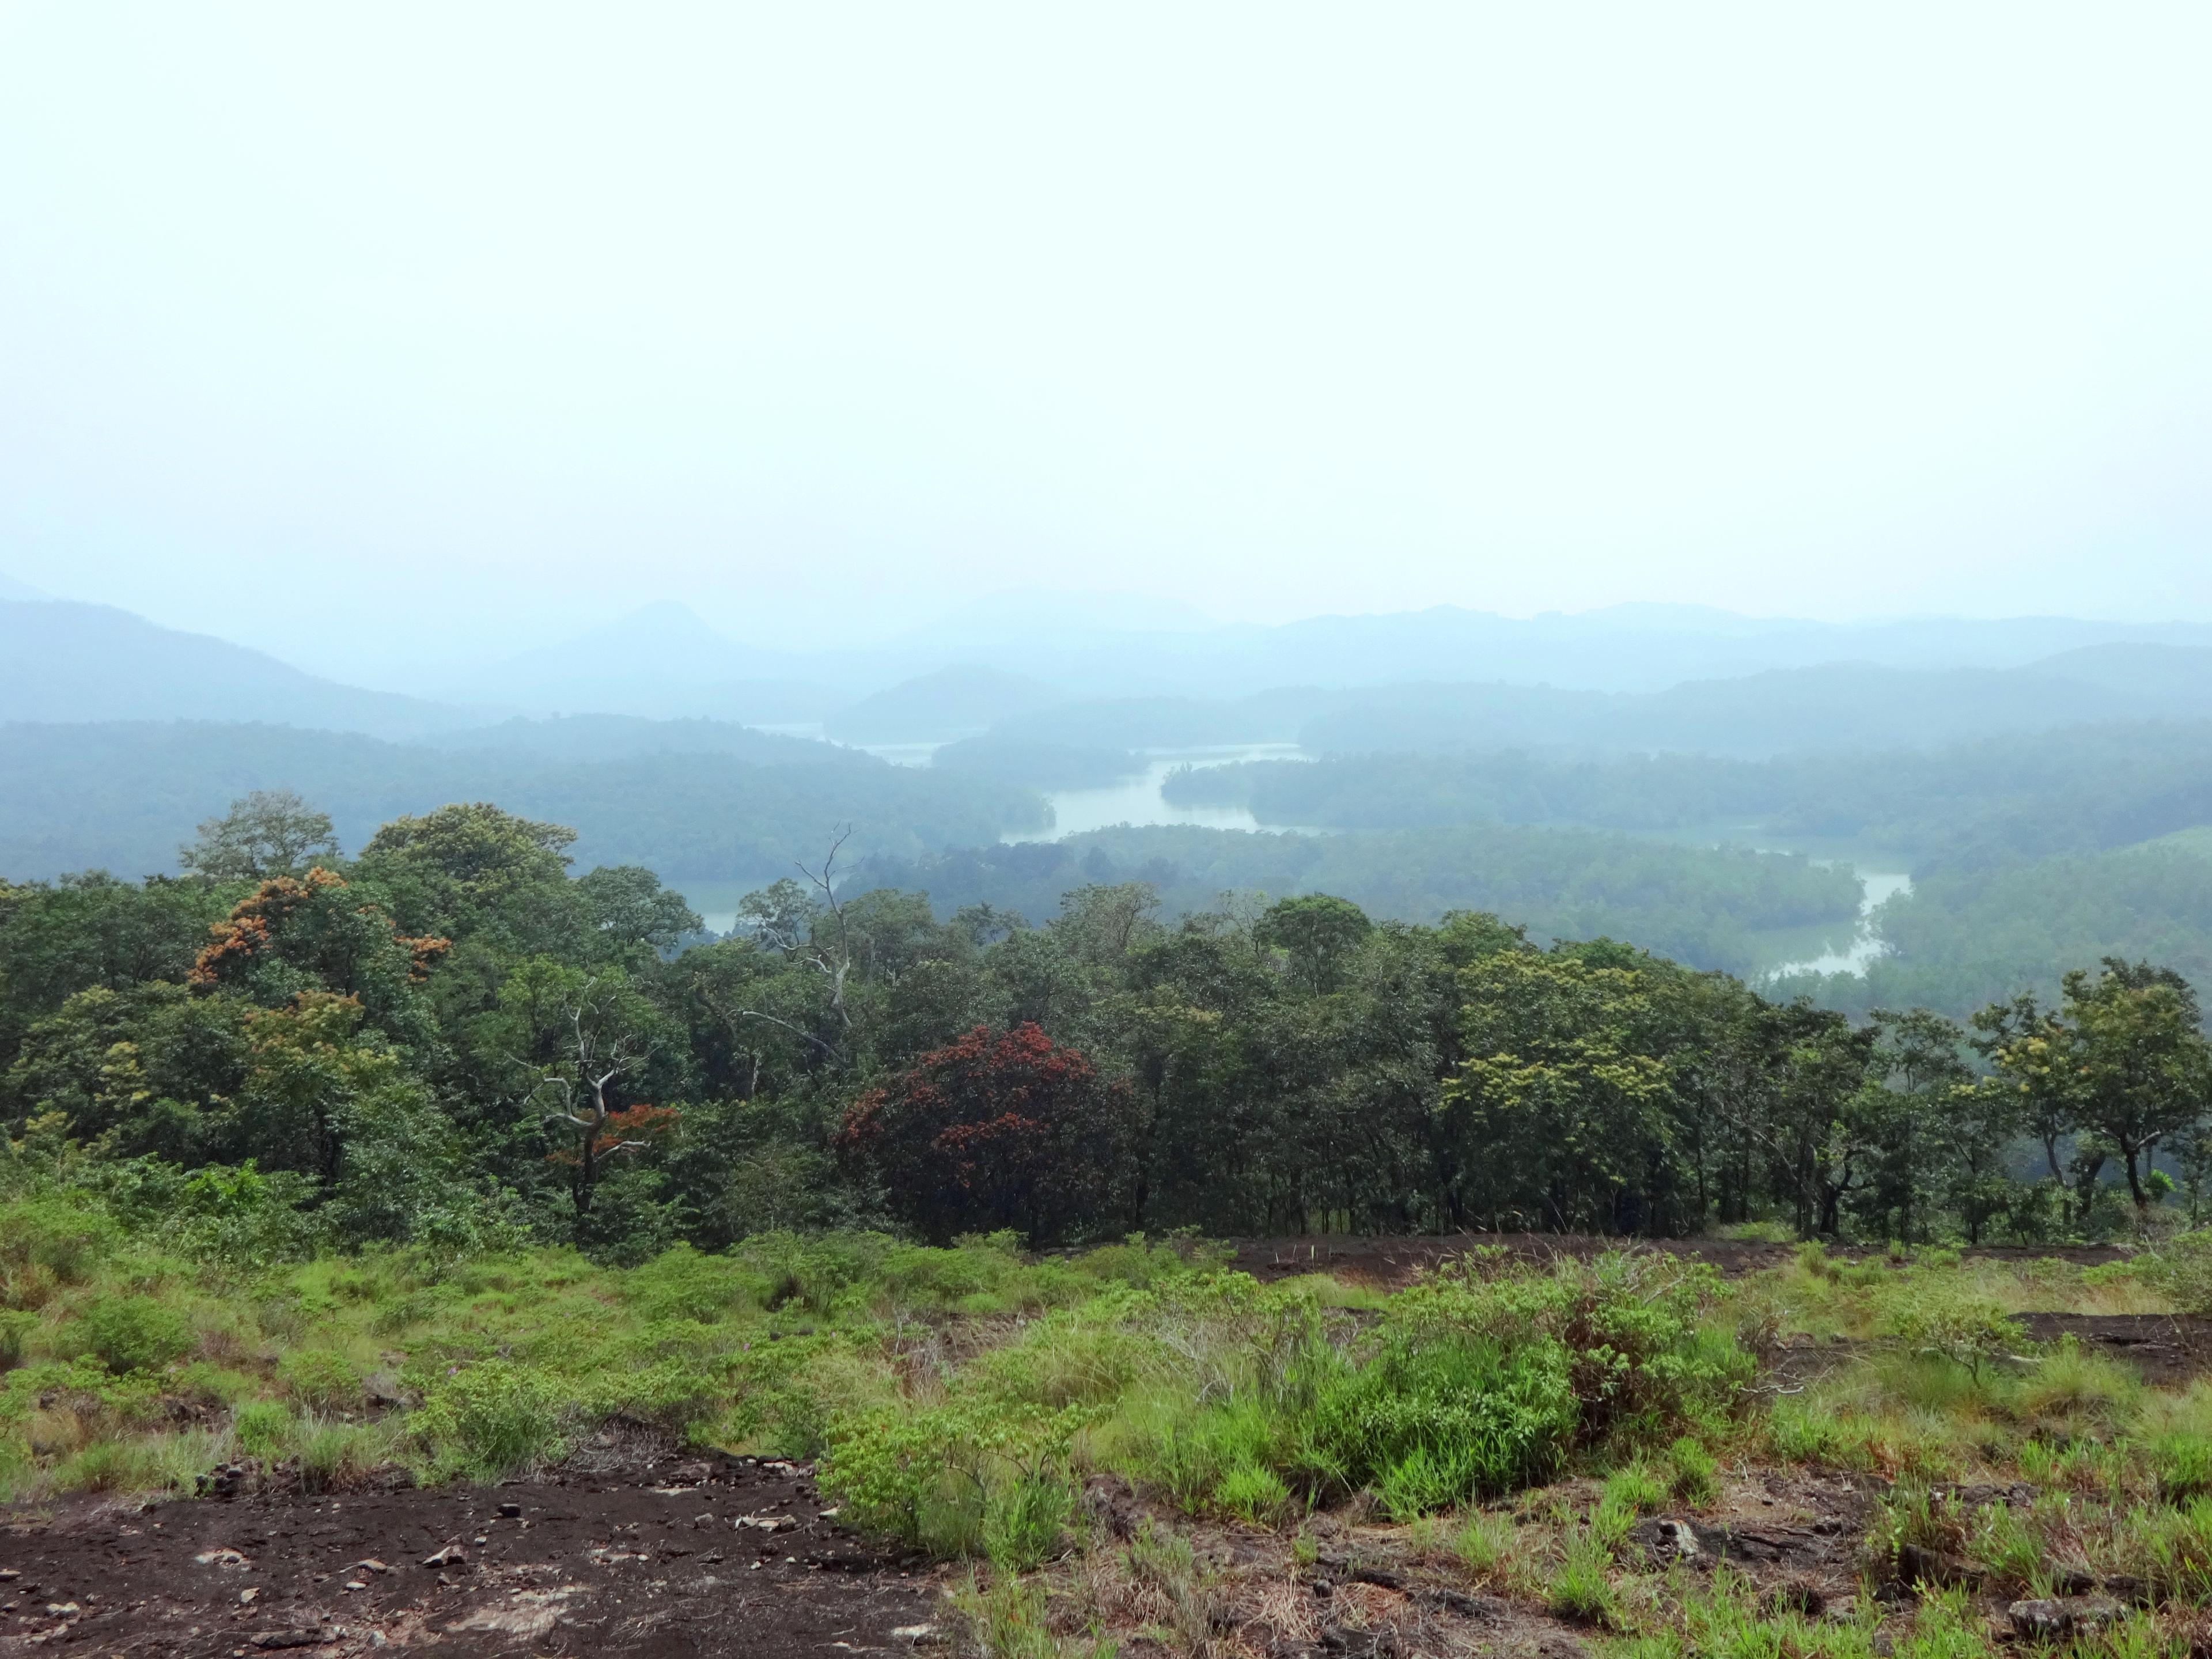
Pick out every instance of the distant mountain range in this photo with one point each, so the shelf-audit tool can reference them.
(665, 660)
(64, 661)
(697, 801)
(1634, 676)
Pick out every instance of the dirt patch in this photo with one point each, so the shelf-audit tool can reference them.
(2166, 1349)
(1393, 1261)
(627, 1550)
(1386, 1261)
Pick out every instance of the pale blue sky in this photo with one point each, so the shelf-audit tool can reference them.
(373, 333)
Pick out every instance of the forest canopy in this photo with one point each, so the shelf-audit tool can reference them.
(453, 1040)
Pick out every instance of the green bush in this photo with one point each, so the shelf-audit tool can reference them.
(1634, 1490)
(2181, 1268)
(64, 1236)
(1432, 1424)
(1695, 1472)
(321, 1377)
(1253, 1493)
(262, 1429)
(1582, 1585)
(130, 1334)
(492, 1419)
(953, 1479)
(1023, 1518)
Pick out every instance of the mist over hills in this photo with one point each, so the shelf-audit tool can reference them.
(1632, 677)
(661, 661)
(60, 660)
(1778, 711)
(1992, 759)
(664, 659)
(695, 804)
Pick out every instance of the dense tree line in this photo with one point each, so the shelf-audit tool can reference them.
(1963, 938)
(1703, 905)
(1974, 805)
(697, 800)
(451, 1038)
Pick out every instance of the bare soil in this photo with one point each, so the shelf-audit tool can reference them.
(2168, 1349)
(627, 1550)
(1393, 1260)
(634, 1547)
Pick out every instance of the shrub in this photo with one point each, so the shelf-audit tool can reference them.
(2181, 1268)
(943, 1479)
(1253, 1493)
(334, 1456)
(1023, 1517)
(321, 1377)
(111, 1466)
(492, 1419)
(1695, 1472)
(1484, 1545)
(1634, 1490)
(134, 1333)
(48, 1240)
(14, 1325)
(1582, 1585)
(263, 1428)
(1434, 1423)
(1942, 1318)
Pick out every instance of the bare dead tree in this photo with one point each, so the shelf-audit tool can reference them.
(574, 1093)
(834, 962)
(837, 964)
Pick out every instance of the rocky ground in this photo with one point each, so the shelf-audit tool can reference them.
(1393, 1260)
(635, 1548)
(627, 1549)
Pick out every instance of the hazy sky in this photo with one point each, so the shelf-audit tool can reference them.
(368, 333)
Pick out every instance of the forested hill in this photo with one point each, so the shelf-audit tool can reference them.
(695, 800)
(1966, 937)
(1969, 804)
(1704, 906)
(64, 661)
(1836, 706)
(454, 1041)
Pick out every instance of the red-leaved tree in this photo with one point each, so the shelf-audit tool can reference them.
(996, 1130)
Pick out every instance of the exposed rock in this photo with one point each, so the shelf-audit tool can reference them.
(1918, 1565)
(2054, 1619)
(1468, 1606)
(1798, 1595)
(1668, 1538)
(1360, 1643)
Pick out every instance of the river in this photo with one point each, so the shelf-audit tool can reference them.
(1139, 800)
(1867, 947)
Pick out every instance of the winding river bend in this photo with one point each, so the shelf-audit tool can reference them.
(1138, 800)
(1867, 947)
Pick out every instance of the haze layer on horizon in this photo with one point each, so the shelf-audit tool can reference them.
(380, 338)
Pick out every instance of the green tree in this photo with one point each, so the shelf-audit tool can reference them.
(269, 832)
(1317, 935)
(2123, 1063)
(1557, 1110)
(1909, 1111)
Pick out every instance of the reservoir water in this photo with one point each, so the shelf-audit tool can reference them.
(1867, 945)
(1138, 800)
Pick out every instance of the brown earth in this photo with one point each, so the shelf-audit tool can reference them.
(626, 1550)
(634, 1547)
(2168, 1349)
(1392, 1261)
